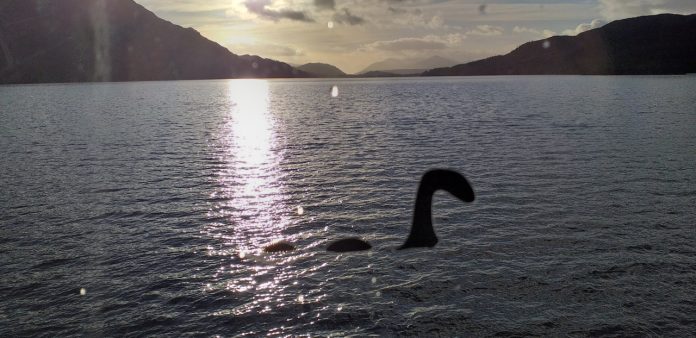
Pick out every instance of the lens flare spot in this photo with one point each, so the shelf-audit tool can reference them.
(546, 44)
(330, 24)
(83, 291)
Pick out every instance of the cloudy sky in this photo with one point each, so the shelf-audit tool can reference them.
(352, 34)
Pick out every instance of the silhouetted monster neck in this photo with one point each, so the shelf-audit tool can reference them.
(422, 232)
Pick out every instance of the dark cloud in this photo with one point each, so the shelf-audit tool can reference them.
(258, 7)
(344, 16)
(413, 2)
(399, 11)
(325, 4)
(395, 10)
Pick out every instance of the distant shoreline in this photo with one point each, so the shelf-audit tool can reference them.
(303, 79)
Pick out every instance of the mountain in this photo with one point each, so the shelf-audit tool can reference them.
(435, 62)
(411, 71)
(376, 73)
(112, 40)
(657, 44)
(322, 70)
(409, 66)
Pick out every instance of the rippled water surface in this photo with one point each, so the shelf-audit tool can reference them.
(154, 200)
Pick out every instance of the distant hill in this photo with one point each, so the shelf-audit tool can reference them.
(112, 40)
(377, 73)
(657, 44)
(322, 70)
(416, 71)
(409, 66)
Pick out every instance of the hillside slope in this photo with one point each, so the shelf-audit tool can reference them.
(322, 70)
(657, 44)
(112, 40)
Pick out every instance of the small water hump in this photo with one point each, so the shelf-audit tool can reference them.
(334, 91)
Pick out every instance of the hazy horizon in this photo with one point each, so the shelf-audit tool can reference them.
(354, 34)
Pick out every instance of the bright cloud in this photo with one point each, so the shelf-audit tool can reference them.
(486, 30)
(620, 9)
(583, 27)
(540, 32)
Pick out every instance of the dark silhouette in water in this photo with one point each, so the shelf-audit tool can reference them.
(279, 247)
(422, 233)
(349, 244)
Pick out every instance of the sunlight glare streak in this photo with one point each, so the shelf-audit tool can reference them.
(253, 188)
(251, 204)
(251, 128)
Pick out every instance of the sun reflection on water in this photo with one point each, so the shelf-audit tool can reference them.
(252, 126)
(252, 182)
(251, 208)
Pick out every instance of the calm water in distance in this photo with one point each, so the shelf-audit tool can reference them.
(156, 197)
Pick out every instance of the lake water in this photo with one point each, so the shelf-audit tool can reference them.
(154, 199)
